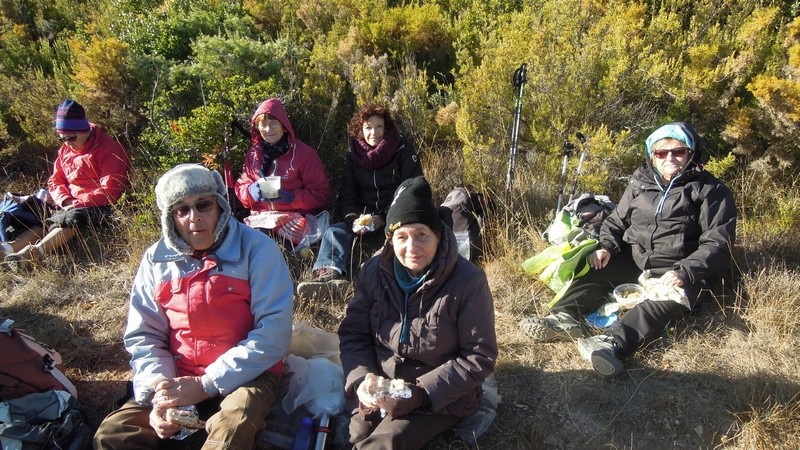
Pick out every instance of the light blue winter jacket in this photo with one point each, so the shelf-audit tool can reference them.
(174, 341)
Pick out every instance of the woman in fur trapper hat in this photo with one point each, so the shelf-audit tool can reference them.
(676, 221)
(210, 320)
(422, 317)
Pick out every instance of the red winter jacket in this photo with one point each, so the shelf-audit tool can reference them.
(300, 169)
(97, 176)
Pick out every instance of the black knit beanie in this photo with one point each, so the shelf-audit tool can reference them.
(413, 203)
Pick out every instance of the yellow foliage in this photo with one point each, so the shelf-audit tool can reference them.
(780, 95)
(103, 74)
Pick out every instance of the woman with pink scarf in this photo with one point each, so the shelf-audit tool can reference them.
(378, 159)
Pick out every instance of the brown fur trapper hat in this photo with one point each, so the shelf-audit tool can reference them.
(180, 182)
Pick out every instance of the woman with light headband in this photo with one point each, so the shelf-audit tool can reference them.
(675, 220)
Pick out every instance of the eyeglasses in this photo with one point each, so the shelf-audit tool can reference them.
(68, 138)
(202, 206)
(679, 152)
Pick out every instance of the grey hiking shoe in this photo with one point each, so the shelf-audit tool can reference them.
(553, 327)
(601, 351)
(326, 274)
(23, 260)
(336, 289)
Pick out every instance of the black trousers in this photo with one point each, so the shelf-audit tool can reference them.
(637, 326)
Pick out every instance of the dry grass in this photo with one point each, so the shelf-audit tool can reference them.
(726, 378)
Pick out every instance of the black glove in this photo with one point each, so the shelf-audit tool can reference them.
(399, 407)
(349, 219)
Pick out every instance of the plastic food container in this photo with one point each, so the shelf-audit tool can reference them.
(629, 295)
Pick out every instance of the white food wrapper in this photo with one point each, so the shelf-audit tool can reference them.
(186, 431)
(379, 387)
(364, 223)
(656, 291)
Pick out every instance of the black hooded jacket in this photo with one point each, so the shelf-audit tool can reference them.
(692, 234)
(371, 191)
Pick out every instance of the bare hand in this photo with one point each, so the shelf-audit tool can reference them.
(163, 429)
(179, 391)
(671, 278)
(599, 258)
(364, 396)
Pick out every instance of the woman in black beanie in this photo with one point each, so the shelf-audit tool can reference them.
(423, 316)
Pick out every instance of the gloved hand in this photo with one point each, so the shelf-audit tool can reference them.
(255, 191)
(284, 197)
(399, 407)
(349, 219)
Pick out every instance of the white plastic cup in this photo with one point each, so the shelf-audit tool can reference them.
(270, 186)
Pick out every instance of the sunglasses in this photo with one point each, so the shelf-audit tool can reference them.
(676, 152)
(68, 138)
(202, 206)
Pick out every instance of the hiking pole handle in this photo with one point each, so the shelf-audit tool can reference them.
(578, 173)
(520, 78)
(567, 152)
(236, 125)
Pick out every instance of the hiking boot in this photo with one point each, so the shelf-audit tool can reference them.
(551, 328)
(24, 260)
(326, 274)
(602, 351)
(335, 289)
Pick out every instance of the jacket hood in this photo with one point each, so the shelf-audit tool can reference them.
(680, 131)
(274, 108)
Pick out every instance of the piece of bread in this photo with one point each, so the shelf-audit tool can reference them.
(184, 418)
(364, 220)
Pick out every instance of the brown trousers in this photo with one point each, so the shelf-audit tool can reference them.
(235, 423)
(410, 432)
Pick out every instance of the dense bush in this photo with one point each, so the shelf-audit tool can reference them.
(167, 77)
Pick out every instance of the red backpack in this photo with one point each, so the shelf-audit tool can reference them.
(28, 366)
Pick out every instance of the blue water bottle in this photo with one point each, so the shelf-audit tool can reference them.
(304, 436)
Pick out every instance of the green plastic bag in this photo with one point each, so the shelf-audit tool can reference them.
(560, 264)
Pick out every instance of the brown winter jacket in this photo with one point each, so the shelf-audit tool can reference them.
(453, 346)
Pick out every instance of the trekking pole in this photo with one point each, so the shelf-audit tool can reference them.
(520, 78)
(579, 170)
(237, 209)
(227, 173)
(568, 148)
(236, 125)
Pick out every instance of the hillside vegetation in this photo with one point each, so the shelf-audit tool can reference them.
(167, 77)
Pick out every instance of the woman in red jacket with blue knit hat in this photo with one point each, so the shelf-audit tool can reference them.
(90, 174)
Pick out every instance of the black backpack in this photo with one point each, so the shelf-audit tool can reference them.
(580, 219)
(464, 212)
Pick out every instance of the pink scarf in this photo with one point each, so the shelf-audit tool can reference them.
(371, 158)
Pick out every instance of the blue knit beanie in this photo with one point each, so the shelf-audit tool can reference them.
(71, 117)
